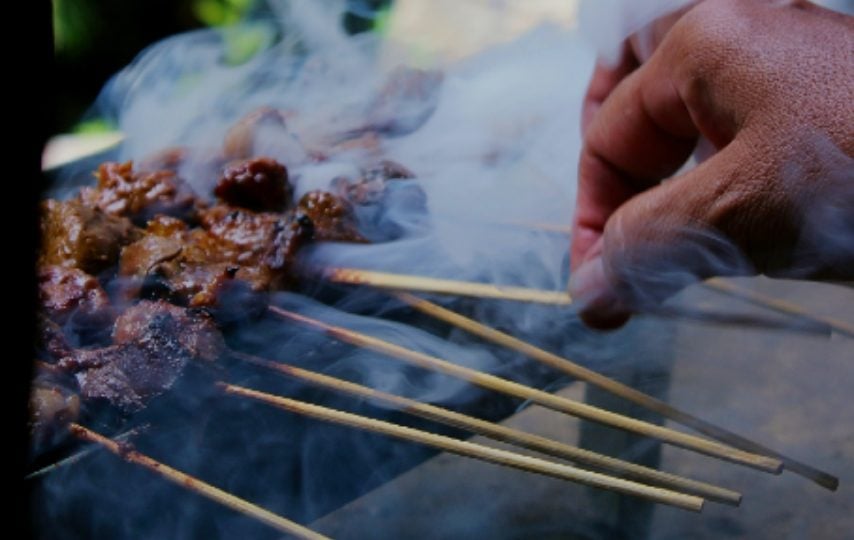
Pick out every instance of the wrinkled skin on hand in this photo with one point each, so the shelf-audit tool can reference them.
(769, 86)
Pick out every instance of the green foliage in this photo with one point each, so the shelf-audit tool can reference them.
(381, 20)
(95, 125)
(242, 42)
(70, 22)
(221, 12)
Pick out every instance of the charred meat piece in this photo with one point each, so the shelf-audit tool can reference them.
(234, 250)
(386, 204)
(195, 331)
(126, 376)
(332, 217)
(52, 408)
(407, 99)
(154, 343)
(264, 131)
(70, 295)
(178, 263)
(51, 342)
(140, 196)
(75, 235)
(371, 187)
(170, 159)
(257, 184)
(263, 246)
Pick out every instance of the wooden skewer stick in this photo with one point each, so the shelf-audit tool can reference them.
(503, 433)
(197, 486)
(464, 448)
(617, 388)
(385, 280)
(777, 304)
(557, 403)
(74, 458)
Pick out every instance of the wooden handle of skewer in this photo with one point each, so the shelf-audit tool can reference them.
(385, 280)
(464, 448)
(617, 388)
(197, 486)
(502, 433)
(551, 401)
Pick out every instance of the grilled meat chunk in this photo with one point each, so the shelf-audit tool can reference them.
(75, 235)
(176, 262)
(371, 188)
(233, 250)
(52, 408)
(70, 295)
(265, 131)
(332, 217)
(385, 203)
(259, 184)
(51, 341)
(140, 196)
(196, 332)
(154, 341)
(406, 101)
(263, 246)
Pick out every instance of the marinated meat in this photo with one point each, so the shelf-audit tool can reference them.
(332, 217)
(387, 169)
(407, 99)
(234, 247)
(195, 331)
(264, 131)
(75, 235)
(170, 159)
(71, 295)
(263, 246)
(371, 187)
(154, 343)
(172, 261)
(126, 376)
(142, 195)
(51, 342)
(52, 408)
(257, 184)
(387, 206)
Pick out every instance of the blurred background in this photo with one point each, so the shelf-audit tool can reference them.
(93, 39)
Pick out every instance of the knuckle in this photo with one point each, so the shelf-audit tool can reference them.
(711, 34)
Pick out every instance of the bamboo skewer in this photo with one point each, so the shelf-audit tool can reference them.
(385, 280)
(197, 486)
(617, 388)
(468, 449)
(503, 433)
(777, 304)
(551, 401)
(74, 458)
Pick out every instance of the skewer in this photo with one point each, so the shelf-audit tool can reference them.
(468, 449)
(195, 485)
(615, 387)
(74, 458)
(551, 401)
(385, 280)
(777, 304)
(502, 433)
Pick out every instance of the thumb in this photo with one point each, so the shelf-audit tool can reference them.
(683, 230)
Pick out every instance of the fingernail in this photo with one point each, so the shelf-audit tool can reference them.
(588, 281)
(598, 304)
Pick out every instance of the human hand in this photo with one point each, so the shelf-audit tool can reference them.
(770, 85)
